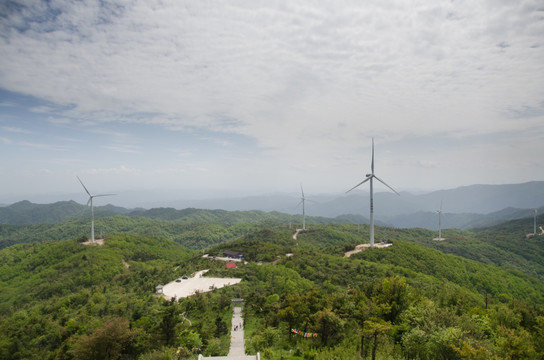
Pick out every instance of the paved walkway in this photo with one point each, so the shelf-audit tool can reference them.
(237, 345)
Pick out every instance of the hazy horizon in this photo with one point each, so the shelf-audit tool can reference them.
(173, 198)
(167, 195)
(258, 97)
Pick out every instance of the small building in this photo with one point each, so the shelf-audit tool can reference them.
(231, 265)
(232, 254)
(158, 289)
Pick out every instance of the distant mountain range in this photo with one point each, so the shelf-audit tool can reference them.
(479, 199)
(464, 207)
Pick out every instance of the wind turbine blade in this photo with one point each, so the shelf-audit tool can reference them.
(301, 201)
(89, 201)
(302, 191)
(361, 183)
(372, 164)
(383, 182)
(104, 195)
(83, 186)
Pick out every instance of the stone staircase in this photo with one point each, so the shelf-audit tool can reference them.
(237, 345)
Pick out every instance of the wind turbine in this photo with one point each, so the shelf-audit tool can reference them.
(439, 212)
(90, 201)
(534, 231)
(303, 201)
(370, 177)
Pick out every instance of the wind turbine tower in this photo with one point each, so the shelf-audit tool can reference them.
(439, 212)
(303, 201)
(534, 231)
(90, 201)
(370, 177)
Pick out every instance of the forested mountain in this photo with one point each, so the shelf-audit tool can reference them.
(477, 295)
(429, 220)
(25, 212)
(463, 208)
(479, 199)
(230, 217)
(193, 235)
(194, 228)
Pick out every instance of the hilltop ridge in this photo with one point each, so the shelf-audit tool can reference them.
(347, 209)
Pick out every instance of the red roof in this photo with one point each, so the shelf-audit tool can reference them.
(231, 265)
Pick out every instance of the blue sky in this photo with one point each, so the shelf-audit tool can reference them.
(249, 97)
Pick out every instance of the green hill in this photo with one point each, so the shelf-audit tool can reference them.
(194, 235)
(194, 228)
(63, 300)
(25, 212)
(427, 304)
(479, 294)
(505, 245)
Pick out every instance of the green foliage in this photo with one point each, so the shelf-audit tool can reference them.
(111, 341)
(220, 327)
(25, 212)
(516, 344)
(321, 236)
(194, 228)
(417, 299)
(473, 275)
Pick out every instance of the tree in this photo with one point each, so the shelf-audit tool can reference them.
(415, 345)
(392, 297)
(538, 335)
(373, 329)
(476, 352)
(516, 344)
(110, 341)
(220, 327)
(288, 315)
(189, 339)
(443, 342)
(169, 322)
(329, 325)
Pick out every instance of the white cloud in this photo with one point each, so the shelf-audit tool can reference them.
(5, 140)
(60, 121)
(129, 149)
(15, 130)
(42, 146)
(7, 104)
(122, 169)
(309, 82)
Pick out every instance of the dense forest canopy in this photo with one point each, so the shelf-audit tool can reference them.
(477, 295)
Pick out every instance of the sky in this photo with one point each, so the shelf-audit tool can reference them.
(202, 98)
